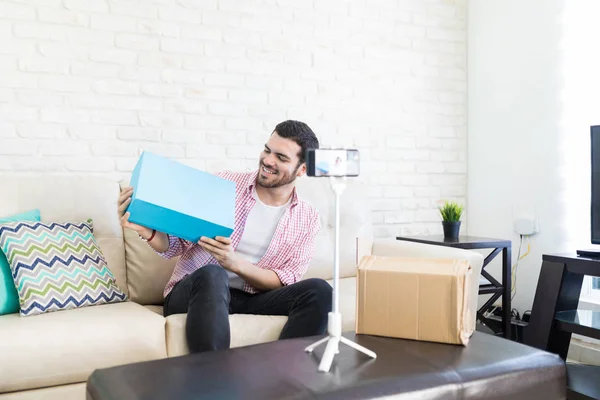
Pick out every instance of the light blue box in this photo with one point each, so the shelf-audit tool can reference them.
(180, 200)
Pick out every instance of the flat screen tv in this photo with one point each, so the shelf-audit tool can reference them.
(595, 193)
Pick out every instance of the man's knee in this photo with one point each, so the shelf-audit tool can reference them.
(320, 292)
(210, 271)
(210, 276)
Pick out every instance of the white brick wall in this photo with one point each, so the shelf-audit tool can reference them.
(85, 86)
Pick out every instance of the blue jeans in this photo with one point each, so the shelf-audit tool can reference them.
(207, 299)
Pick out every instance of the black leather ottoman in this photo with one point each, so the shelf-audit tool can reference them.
(488, 368)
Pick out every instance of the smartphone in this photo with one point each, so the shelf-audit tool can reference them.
(332, 162)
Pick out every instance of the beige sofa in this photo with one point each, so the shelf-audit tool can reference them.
(50, 356)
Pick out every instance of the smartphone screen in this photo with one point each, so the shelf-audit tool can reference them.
(336, 162)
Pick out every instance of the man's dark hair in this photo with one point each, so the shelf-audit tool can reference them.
(300, 133)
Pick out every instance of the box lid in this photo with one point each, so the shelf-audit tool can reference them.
(200, 194)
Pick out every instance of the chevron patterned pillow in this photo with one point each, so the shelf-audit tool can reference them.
(57, 266)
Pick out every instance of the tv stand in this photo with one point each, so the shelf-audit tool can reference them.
(555, 316)
(589, 253)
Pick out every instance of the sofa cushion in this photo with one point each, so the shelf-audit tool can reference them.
(252, 329)
(155, 309)
(75, 391)
(147, 272)
(57, 266)
(355, 221)
(65, 347)
(245, 330)
(9, 298)
(72, 198)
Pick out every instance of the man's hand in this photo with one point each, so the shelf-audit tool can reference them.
(220, 248)
(124, 201)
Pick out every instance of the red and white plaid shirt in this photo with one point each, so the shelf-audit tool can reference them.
(289, 253)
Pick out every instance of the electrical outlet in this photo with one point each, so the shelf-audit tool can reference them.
(526, 226)
(525, 218)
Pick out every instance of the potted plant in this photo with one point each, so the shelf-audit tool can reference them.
(451, 213)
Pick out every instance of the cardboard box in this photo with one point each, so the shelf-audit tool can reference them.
(414, 298)
(180, 200)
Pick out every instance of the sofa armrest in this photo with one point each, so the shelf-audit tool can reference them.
(403, 248)
(364, 247)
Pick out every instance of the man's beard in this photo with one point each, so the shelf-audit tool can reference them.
(284, 179)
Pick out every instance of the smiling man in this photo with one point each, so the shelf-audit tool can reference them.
(257, 270)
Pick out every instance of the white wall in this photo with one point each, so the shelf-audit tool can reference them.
(534, 91)
(86, 85)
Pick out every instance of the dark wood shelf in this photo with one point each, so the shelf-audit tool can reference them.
(488, 289)
(576, 264)
(582, 322)
(463, 242)
(513, 321)
(555, 317)
(583, 382)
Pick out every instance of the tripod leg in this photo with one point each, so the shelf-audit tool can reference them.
(313, 346)
(328, 355)
(358, 347)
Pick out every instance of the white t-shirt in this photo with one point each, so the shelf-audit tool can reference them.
(260, 226)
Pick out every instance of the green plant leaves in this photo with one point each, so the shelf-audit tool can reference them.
(451, 211)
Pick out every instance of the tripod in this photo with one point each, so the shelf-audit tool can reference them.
(334, 322)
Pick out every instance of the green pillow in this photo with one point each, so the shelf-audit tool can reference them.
(9, 298)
